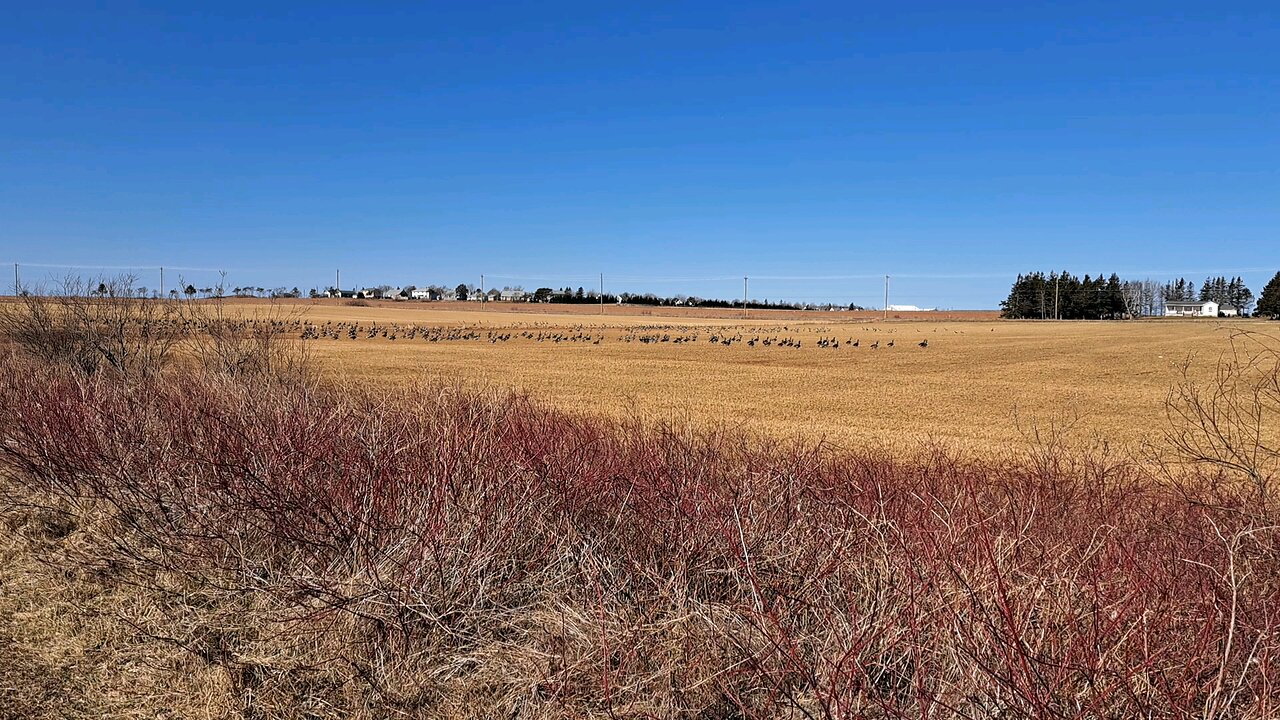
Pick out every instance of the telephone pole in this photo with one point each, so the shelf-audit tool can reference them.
(162, 283)
(482, 298)
(886, 297)
(1056, 316)
(601, 293)
(17, 284)
(337, 281)
(746, 313)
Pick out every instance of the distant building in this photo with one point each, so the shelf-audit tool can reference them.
(1208, 308)
(423, 294)
(512, 296)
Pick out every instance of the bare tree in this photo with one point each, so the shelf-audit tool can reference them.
(103, 325)
(1142, 298)
(93, 327)
(1230, 420)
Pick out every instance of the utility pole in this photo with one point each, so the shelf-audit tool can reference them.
(337, 281)
(1056, 315)
(482, 298)
(886, 297)
(601, 293)
(17, 284)
(162, 283)
(746, 313)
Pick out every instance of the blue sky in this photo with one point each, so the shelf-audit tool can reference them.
(665, 145)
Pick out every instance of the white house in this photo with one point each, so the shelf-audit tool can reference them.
(1208, 308)
(421, 294)
(512, 296)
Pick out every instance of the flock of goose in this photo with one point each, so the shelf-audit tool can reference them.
(753, 337)
(779, 337)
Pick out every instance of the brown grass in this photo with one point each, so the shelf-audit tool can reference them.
(216, 545)
(230, 539)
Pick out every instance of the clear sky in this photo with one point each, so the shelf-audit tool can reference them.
(665, 145)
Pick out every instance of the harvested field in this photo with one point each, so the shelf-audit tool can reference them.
(980, 383)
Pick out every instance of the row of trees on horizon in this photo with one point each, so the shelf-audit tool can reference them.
(582, 296)
(1065, 296)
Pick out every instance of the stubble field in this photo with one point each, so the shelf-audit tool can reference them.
(980, 383)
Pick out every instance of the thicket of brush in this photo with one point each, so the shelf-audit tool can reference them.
(440, 553)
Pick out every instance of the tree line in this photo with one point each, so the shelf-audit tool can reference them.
(568, 295)
(1065, 296)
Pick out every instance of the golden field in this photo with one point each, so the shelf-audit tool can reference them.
(980, 382)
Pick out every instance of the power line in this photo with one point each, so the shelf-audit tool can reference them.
(122, 267)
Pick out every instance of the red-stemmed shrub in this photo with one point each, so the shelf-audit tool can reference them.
(440, 552)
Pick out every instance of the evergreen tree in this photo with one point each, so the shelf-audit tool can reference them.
(1100, 297)
(1269, 302)
(1026, 298)
(1114, 297)
(1239, 295)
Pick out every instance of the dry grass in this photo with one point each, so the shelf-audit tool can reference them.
(233, 539)
(218, 545)
(981, 384)
(68, 649)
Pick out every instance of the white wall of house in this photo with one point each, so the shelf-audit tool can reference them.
(1205, 309)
